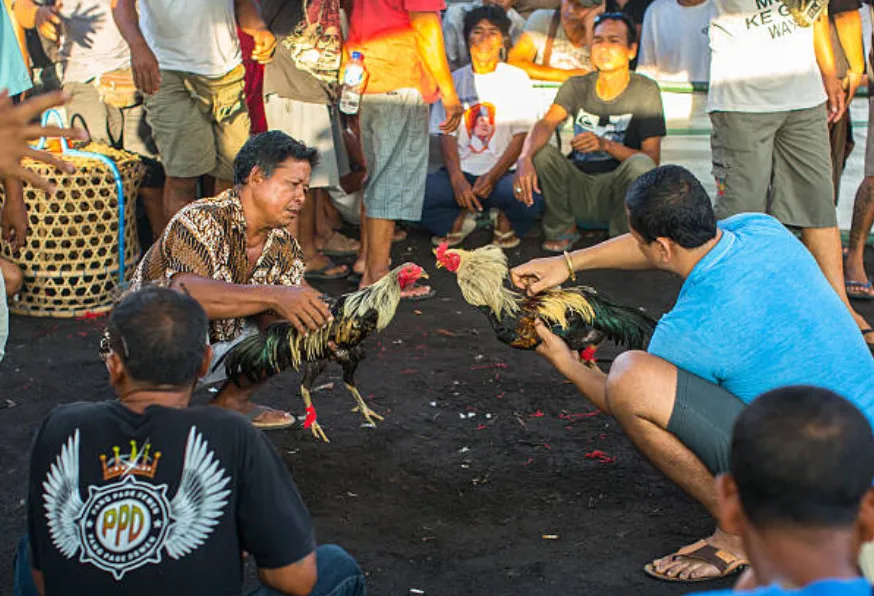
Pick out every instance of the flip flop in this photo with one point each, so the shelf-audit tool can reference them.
(416, 297)
(856, 290)
(323, 275)
(726, 563)
(568, 239)
(468, 225)
(505, 239)
(258, 410)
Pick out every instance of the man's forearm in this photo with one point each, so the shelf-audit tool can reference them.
(618, 151)
(621, 252)
(537, 138)
(248, 16)
(849, 30)
(126, 17)
(508, 157)
(591, 382)
(429, 38)
(222, 300)
(539, 72)
(822, 45)
(449, 151)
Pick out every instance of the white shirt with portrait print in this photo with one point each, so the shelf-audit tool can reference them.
(497, 106)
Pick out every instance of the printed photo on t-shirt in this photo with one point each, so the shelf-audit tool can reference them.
(480, 123)
(315, 43)
(613, 128)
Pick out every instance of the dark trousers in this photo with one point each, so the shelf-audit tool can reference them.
(339, 574)
(441, 210)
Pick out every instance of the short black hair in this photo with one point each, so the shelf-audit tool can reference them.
(160, 335)
(492, 13)
(630, 27)
(267, 150)
(669, 202)
(802, 456)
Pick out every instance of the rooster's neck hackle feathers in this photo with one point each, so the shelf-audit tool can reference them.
(383, 297)
(481, 274)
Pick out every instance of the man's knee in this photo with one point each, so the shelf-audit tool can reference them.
(641, 385)
(13, 277)
(638, 165)
(548, 160)
(338, 568)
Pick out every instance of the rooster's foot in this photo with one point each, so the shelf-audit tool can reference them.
(319, 433)
(368, 414)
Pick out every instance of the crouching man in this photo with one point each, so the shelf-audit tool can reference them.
(144, 495)
(755, 313)
(234, 255)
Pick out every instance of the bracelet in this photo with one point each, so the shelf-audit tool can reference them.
(570, 267)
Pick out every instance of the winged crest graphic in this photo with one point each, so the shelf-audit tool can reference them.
(179, 526)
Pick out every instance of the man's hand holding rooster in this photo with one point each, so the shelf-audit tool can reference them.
(302, 307)
(538, 275)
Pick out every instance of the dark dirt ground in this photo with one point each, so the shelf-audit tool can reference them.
(454, 493)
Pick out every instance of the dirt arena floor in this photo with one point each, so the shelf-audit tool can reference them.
(489, 475)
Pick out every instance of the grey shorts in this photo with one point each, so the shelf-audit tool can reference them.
(315, 125)
(121, 128)
(394, 136)
(703, 419)
(776, 163)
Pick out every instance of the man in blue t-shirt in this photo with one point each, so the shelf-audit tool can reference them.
(755, 313)
(800, 516)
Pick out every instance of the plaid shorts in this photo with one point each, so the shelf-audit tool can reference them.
(394, 135)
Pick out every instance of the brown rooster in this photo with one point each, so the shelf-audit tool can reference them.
(579, 315)
(356, 315)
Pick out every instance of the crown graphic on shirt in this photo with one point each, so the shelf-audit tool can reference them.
(138, 462)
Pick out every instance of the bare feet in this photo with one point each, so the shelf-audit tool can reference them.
(729, 557)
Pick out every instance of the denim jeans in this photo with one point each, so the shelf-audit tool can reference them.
(339, 574)
(441, 210)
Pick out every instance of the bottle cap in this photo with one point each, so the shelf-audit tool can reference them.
(357, 56)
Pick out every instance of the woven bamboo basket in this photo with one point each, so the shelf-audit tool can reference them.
(71, 262)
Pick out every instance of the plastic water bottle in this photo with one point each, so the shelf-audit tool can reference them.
(354, 80)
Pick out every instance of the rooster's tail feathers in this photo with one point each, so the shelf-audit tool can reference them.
(261, 355)
(624, 325)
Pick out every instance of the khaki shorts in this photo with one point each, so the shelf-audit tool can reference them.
(199, 123)
(776, 163)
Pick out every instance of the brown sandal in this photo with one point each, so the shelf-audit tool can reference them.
(726, 563)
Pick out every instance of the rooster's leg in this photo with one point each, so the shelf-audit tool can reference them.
(310, 373)
(350, 363)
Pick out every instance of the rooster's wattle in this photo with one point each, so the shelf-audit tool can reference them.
(356, 315)
(579, 315)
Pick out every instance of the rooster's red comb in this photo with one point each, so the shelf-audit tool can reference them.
(440, 253)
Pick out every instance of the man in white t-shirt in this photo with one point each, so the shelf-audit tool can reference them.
(480, 154)
(186, 59)
(773, 91)
(453, 29)
(555, 45)
(674, 43)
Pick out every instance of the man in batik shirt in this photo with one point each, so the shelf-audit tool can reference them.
(233, 254)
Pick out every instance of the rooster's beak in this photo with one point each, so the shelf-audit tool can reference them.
(439, 264)
(424, 275)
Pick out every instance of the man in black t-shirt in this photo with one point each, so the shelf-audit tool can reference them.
(145, 496)
(618, 124)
